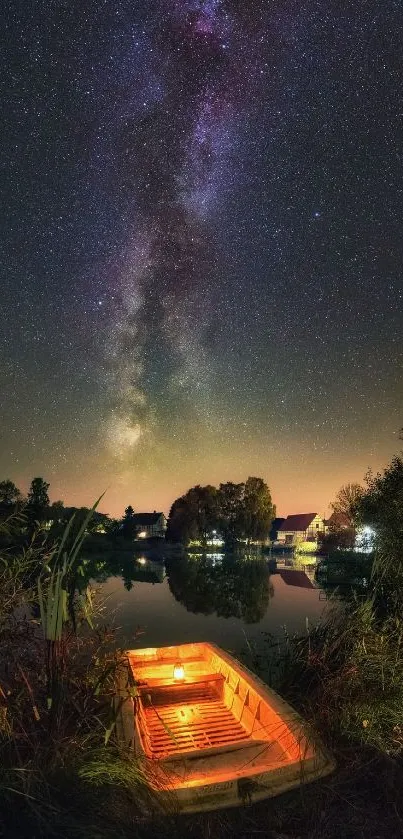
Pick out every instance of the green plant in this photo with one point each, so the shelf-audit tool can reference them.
(382, 509)
(57, 587)
(58, 672)
(346, 674)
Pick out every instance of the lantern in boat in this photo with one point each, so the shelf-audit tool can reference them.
(179, 672)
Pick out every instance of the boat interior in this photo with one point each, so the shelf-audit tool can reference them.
(192, 698)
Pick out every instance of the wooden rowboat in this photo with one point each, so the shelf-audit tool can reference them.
(208, 731)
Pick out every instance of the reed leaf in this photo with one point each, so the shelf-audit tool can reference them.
(81, 533)
(65, 536)
(41, 607)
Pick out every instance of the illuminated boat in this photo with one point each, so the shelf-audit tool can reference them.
(209, 732)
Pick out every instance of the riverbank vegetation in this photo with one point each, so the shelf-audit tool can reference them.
(346, 674)
(61, 772)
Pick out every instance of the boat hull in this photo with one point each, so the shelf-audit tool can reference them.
(211, 760)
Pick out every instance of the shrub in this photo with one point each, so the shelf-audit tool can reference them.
(346, 674)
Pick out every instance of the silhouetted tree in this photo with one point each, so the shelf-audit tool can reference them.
(57, 511)
(113, 528)
(10, 495)
(129, 527)
(337, 538)
(231, 512)
(381, 508)
(347, 503)
(193, 516)
(181, 524)
(203, 502)
(38, 500)
(237, 511)
(259, 510)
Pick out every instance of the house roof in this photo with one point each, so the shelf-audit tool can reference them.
(339, 520)
(276, 523)
(298, 522)
(146, 518)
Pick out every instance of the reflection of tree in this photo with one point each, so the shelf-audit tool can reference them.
(125, 566)
(346, 574)
(237, 587)
(149, 573)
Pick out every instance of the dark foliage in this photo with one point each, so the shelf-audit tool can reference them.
(236, 511)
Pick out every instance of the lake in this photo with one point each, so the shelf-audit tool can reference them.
(231, 601)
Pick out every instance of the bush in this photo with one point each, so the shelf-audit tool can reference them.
(349, 570)
(382, 509)
(342, 539)
(346, 674)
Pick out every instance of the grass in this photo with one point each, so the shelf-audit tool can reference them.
(347, 675)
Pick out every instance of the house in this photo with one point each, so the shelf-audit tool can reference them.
(150, 525)
(275, 528)
(304, 527)
(338, 521)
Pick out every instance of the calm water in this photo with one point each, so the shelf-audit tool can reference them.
(228, 601)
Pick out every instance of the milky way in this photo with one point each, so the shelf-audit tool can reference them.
(201, 246)
(158, 346)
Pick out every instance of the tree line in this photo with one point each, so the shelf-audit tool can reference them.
(236, 512)
(36, 509)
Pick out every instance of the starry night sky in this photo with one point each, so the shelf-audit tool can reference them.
(201, 246)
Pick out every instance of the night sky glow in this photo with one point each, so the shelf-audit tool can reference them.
(201, 246)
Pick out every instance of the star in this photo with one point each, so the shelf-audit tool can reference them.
(201, 226)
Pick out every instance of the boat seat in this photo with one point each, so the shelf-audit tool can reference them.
(202, 690)
(167, 683)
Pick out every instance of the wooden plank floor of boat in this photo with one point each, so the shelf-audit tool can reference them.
(196, 719)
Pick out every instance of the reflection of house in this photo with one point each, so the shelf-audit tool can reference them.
(304, 526)
(150, 524)
(295, 578)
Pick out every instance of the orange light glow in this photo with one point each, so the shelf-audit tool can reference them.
(225, 716)
(179, 672)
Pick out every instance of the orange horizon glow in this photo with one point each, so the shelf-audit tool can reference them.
(298, 484)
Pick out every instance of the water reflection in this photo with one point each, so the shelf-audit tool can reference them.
(345, 577)
(142, 570)
(131, 567)
(226, 600)
(230, 587)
